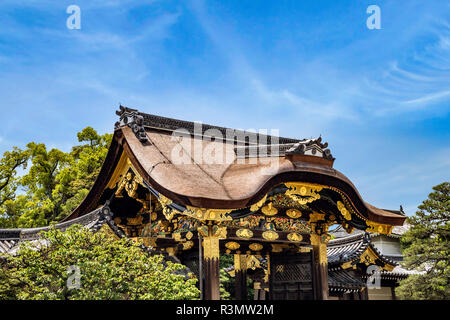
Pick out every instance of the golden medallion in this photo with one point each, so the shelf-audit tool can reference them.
(232, 245)
(294, 213)
(270, 235)
(295, 237)
(244, 233)
(255, 246)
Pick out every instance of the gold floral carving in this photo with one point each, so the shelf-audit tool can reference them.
(244, 233)
(129, 183)
(294, 213)
(294, 237)
(255, 246)
(269, 210)
(232, 245)
(270, 235)
(303, 193)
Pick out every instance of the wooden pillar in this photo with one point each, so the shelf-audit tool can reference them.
(240, 269)
(211, 235)
(319, 245)
(211, 267)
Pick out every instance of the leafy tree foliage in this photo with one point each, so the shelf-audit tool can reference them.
(55, 183)
(427, 248)
(109, 269)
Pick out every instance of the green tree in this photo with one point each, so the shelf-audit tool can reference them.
(426, 248)
(109, 269)
(55, 183)
(10, 163)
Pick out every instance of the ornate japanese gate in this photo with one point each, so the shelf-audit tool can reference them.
(277, 210)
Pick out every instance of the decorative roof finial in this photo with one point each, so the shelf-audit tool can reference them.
(132, 118)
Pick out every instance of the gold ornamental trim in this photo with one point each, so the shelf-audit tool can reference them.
(259, 204)
(303, 193)
(204, 214)
(375, 227)
(341, 207)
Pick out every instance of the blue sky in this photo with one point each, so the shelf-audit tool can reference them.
(381, 98)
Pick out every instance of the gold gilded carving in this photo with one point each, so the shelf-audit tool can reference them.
(303, 193)
(304, 249)
(320, 246)
(232, 245)
(189, 235)
(135, 221)
(347, 265)
(171, 251)
(176, 236)
(277, 247)
(164, 200)
(368, 257)
(344, 211)
(203, 231)
(315, 216)
(256, 206)
(270, 235)
(269, 210)
(255, 246)
(208, 214)
(294, 237)
(211, 236)
(219, 232)
(378, 227)
(244, 233)
(240, 262)
(188, 245)
(129, 184)
(294, 213)
(253, 262)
